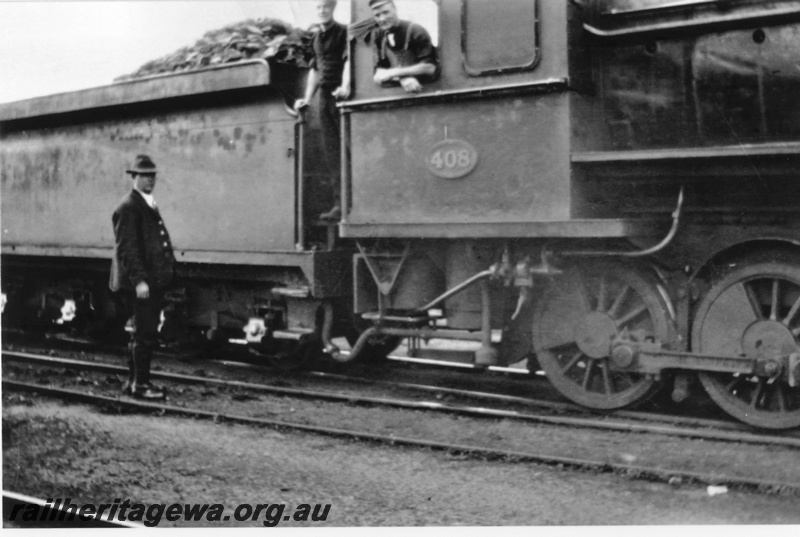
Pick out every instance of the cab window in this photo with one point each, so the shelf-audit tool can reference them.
(423, 12)
(499, 37)
(365, 56)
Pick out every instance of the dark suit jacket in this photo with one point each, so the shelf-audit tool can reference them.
(143, 250)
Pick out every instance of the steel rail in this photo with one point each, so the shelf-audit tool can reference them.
(470, 368)
(643, 472)
(528, 401)
(551, 405)
(472, 411)
(540, 403)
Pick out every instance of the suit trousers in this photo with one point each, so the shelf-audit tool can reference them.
(146, 313)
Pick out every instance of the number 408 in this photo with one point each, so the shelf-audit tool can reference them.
(451, 158)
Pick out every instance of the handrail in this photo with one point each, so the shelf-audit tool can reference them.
(663, 7)
(676, 215)
(549, 84)
(300, 185)
(764, 16)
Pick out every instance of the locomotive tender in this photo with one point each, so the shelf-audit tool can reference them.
(604, 187)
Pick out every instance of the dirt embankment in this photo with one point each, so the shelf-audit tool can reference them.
(56, 450)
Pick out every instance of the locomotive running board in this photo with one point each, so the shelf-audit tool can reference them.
(577, 228)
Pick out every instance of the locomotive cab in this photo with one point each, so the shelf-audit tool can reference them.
(454, 159)
(480, 157)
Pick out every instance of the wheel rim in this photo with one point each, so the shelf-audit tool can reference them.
(576, 321)
(753, 311)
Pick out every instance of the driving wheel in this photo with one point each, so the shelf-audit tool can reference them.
(581, 314)
(753, 311)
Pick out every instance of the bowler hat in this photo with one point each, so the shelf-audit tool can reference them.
(142, 164)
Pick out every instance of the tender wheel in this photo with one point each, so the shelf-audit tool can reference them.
(578, 318)
(750, 312)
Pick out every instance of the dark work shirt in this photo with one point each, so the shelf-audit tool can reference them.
(406, 44)
(330, 53)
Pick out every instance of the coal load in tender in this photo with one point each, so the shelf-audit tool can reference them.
(268, 39)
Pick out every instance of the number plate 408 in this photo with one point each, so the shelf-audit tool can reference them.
(451, 159)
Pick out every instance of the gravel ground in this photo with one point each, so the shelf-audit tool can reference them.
(766, 463)
(55, 450)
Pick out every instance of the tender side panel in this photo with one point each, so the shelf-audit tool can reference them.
(226, 181)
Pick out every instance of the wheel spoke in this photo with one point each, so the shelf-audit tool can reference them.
(751, 308)
(612, 312)
(587, 376)
(575, 359)
(755, 304)
(602, 295)
(773, 312)
(606, 379)
(630, 379)
(630, 316)
(757, 394)
(779, 397)
(583, 293)
(732, 384)
(792, 312)
(583, 307)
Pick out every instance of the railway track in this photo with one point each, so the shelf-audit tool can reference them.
(513, 374)
(652, 473)
(557, 406)
(633, 423)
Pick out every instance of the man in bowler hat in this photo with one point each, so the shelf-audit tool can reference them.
(141, 271)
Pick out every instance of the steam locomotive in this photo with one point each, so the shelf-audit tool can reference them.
(604, 188)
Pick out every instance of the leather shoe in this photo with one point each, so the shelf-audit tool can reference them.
(333, 214)
(148, 391)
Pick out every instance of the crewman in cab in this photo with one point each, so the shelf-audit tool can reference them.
(402, 50)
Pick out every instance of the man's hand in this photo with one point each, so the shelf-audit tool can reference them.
(411, 84)
(383, 75)
(342, 92)
(142, 290)
(299, 104)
